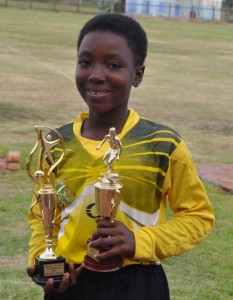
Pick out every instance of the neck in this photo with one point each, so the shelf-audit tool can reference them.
(98, 124)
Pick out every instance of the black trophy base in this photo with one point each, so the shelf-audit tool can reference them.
(49, 269)
(109, 265)
(42, 281)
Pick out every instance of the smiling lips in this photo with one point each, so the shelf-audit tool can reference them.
(98, 93)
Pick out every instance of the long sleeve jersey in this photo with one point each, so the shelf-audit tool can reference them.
(156, 170)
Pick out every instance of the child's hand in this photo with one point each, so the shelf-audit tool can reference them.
(114, 235)
(68, 279)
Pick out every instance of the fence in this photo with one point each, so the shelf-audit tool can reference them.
(164, 9)
(77, 6)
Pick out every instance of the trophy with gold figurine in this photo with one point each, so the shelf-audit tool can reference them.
(46, 198)
(107, 196)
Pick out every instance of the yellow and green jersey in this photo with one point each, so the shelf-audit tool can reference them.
(155, 168)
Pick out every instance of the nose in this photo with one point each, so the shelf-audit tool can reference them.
(97, 73)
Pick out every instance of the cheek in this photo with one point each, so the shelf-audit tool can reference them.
(122, 82)
(81, 72)
(79, 78)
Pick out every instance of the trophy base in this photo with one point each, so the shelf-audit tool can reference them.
(109, 265)
(49, 269)
(42, 281)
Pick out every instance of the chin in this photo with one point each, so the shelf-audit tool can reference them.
(100, 110)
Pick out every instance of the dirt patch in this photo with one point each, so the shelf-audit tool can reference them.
(221, 175)
(13, 260)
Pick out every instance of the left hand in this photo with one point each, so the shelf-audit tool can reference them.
(69, 279)
(114, 235)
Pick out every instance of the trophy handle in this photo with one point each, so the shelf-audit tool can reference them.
(57, 217)
(63, 205)
(32, 206)
(29, 162)
(58, 191)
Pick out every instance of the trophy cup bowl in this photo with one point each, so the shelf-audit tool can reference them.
(48, 265)
(107, 198)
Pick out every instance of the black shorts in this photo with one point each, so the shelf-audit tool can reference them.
(129, 283)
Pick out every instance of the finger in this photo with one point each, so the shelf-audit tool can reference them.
(64, 283)
(104, 242)
(48, 288)
(104, 223)
(102, 233)
(97, 220)
(112, 252)
(123, 245)
(31, 270)
(89, 240)
(73, 274)
(80, 270)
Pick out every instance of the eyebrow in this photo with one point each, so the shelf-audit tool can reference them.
(108, 56)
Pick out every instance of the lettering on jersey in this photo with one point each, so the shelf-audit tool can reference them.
(89, 211)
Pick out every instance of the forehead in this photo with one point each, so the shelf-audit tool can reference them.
(105, 40)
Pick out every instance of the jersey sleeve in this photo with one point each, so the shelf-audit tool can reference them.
(192, 218)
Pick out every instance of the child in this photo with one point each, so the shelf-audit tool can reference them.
(155, 167)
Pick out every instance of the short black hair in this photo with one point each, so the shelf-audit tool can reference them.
(123, 25)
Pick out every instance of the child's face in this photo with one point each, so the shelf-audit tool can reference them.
(106, 71)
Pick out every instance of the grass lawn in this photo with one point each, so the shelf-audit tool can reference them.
(187, 85)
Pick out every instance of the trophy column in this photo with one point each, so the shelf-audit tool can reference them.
(107, 197)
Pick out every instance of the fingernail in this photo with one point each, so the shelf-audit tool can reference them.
(96, 258)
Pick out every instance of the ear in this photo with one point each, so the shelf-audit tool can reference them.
(138, 75)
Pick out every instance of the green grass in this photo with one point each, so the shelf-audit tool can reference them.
(206, 272)
(187, 85)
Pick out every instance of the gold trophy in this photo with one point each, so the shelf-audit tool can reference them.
(48, 264)
(107, 196)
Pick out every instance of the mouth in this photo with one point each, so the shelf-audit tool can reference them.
(98, 92)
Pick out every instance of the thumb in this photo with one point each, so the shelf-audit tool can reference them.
(31, 270)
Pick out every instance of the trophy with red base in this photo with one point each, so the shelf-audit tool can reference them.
(46, 199)
(107, 196)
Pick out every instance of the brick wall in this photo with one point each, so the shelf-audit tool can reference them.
(11, 161)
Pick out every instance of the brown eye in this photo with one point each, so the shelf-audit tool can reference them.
(114, 66)
(84, 63)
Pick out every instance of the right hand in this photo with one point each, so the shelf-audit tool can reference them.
(68, 279)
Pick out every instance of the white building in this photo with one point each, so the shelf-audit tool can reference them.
(201, 9)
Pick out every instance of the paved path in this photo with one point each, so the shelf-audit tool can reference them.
(220, 175)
